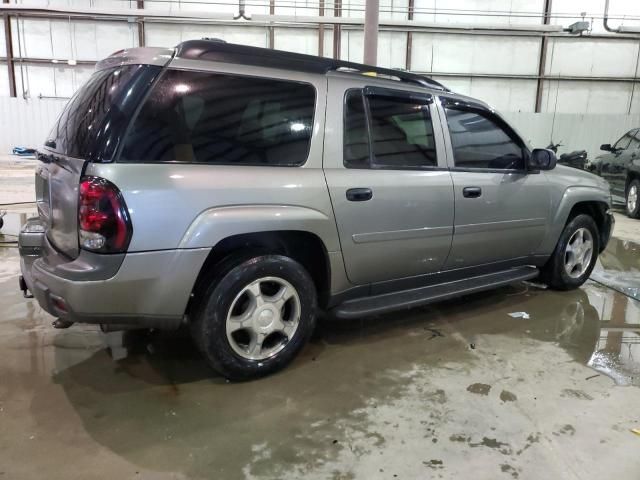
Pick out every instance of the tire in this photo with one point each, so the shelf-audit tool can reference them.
(556, 271)
(255, 316)
(632, 199)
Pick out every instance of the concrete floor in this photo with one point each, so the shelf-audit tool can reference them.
(521, 382)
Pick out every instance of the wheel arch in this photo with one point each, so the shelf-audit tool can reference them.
(305, 247)
(592, 201)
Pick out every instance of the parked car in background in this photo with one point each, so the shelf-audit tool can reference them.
(575, 159)
(237, 190)
(620, 166)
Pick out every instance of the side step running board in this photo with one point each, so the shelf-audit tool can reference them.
(388, 302)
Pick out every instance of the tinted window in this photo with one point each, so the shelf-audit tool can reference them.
(222, 119)
(402, 134)
(626, 140)
(635, 141)
(356, 136)
(480, 141)
(91, 123)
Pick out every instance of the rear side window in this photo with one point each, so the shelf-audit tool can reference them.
(387, 131)
(200, 117)
(402, 133)
(93, 122)
(479, 140)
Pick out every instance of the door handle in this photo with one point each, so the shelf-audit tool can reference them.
(471, 192)
(359, 194)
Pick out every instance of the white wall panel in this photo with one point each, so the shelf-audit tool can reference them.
(169, 35)
(27, 122)
(392, 47)
(505, 95)
(586, 97)
(327, 44)
(80, 40)
(592, 57)
(230, 7)
(3, 46)
(449, 53)
(50, 80)
(501, 8)
(300, 40)
(4, 80)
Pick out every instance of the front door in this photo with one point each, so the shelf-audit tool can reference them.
(501, 210)
(390, 189)
(615, 164)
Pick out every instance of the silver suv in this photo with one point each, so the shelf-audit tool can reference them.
(239, 190)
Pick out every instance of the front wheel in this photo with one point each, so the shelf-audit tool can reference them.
(256, 316)
(633, 205)
(575, 255)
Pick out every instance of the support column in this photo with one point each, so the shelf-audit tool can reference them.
(407, 62)
(371, 22)
(141, 35)
(321, 30)
(272, 33)
(543, 56)
(10, 64)
(337, 12)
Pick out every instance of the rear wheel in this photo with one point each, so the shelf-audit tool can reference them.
(256, 317)
(633, 203)
(575, 255)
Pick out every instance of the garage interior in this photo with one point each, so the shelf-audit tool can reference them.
(519, 382)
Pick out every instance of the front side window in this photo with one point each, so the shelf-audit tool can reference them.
(387, 132)
(200, 117)
(480, 140)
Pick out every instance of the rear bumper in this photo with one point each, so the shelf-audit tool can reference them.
(146, 289)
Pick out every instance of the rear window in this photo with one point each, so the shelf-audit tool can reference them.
(200, 117)
(94, 120)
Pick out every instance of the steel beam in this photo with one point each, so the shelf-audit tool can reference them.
(337, 12)
(141, 34)
(542, 60)
(10, 61)
(407, 61)
(371, 23)
(321, 30)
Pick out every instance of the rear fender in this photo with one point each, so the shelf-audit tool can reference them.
(215, 224)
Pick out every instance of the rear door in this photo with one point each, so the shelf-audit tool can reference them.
(501, 209)
(89, 129)
(389, 185)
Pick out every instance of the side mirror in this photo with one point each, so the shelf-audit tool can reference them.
(542, 159)
(606, 147)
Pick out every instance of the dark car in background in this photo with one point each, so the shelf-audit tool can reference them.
(620, 166)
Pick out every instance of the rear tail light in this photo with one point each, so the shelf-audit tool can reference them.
(104, 224)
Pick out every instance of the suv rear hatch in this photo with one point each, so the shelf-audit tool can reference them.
(88, 130)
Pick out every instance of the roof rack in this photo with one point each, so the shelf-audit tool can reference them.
(220, 51)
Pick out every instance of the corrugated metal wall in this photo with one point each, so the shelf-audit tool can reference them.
(26, 122)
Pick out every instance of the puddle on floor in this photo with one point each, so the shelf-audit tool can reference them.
(619, 267)
(162, 396)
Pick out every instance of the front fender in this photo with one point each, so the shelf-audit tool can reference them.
(569, 199)
(215, 224)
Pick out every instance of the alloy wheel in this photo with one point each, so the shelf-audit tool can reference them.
(263, 318)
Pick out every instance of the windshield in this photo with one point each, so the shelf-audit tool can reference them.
(93, 121)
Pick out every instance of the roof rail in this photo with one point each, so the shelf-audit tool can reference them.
(220, 51)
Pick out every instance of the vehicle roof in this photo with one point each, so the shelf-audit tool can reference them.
(216, 50)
